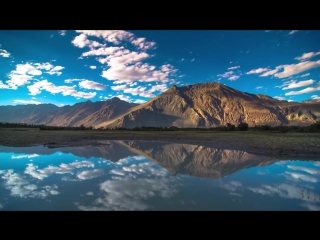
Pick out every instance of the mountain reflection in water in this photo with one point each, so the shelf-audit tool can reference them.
(137, 175)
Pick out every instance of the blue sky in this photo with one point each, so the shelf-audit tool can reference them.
(66, 66)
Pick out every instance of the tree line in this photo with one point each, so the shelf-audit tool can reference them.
(315, 127)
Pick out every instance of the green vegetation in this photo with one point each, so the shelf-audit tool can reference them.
(229, 127)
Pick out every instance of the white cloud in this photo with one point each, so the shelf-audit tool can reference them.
(259, 70)
(4, 53)
(82, 41)
(292, 69)
(26, 69)
(87, 84)
(308, 55)
(55, 70)
(124, 65)
(142, 44)
(37, 87)
(315, 97)
(279, 98)
(26, 102)
(4, 86)
(119, 87)
(293, 32)
(306, 90)
(139, 101)
(18, 80)
(93, 67)
(113, 36)
(233, 68)
(62, 32)
(192, 60)
(24, 73)
(305, 75)
(295, 84)
(103, 51)
(124, 98)
(259, 87)
(233, 78)
(141, 91)
(226, 74)
(288, 69)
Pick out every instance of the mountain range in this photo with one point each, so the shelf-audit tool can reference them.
(199, 105)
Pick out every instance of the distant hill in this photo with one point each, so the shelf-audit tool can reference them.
(87, 113)
(199, 105)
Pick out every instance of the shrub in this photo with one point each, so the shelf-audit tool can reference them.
(243, 126)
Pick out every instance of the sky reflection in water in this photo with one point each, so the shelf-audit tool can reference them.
(133, 175)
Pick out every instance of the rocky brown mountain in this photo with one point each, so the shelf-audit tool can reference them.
(214, 104)
(199, 105)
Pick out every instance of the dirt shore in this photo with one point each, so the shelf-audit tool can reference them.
(282, 145)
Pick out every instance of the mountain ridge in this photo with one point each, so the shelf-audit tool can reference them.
(207, 104)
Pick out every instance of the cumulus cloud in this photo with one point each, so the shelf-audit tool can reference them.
(279, 98)
(26, 102)
(87, 84)
(287, 70)
(4, 53)
(121, 96)
(233, 68)
(142, 44)
(139, 101)
(37, 87)
(295, 84)
(293, 32)
(305, 75)
(124, 66)
(259, 87)
(141, 91)
(226, 74)
(258, 70)
(306, 90)
(307, 56)
(315, 97)
(24, 73)
(233, 78)
(62, 32)
(93, 67)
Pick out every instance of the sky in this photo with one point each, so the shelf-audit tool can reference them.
(64, 67)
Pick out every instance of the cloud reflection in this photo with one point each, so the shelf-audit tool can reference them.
(25, 156)
(20, 186)
(132, 191)
(40, 174)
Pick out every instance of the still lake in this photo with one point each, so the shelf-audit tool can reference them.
(137, 175)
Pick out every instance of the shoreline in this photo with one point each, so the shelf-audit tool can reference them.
(290, 146)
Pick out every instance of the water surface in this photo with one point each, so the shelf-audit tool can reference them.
(137, 175)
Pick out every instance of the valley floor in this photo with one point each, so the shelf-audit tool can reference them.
(282, 145)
